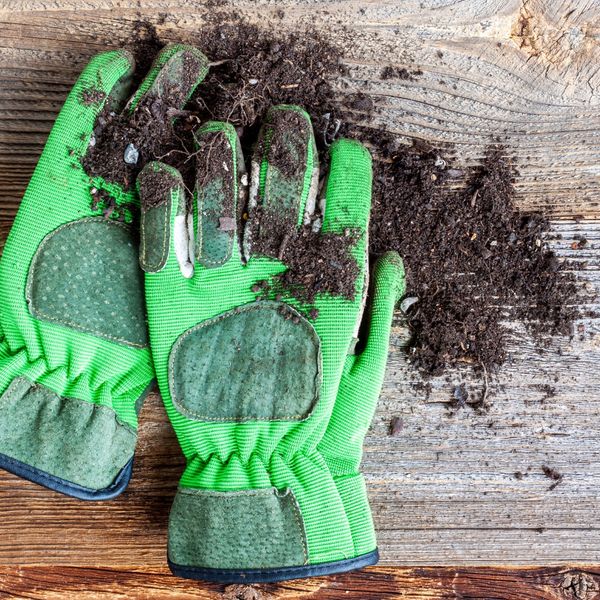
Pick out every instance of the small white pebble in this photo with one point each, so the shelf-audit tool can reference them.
(407, 303)
(131, 154)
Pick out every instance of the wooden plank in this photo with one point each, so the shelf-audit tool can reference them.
(526, 72)
(443, 491)
(423, 583)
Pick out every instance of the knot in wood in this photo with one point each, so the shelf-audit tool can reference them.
(243, 592)
(579, 586)
(563, 44)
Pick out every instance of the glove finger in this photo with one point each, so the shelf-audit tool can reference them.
(363, 376)
(220, 179)
(164, 232)
(348, 188)
(173, 77)
(284, 180)
(388, 287)
(104, 81)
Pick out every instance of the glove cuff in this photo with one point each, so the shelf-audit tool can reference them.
(249, 536)
(68, 445)
(298, 521)
(248, 576)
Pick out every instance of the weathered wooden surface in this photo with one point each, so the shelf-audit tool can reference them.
(419, 583)
(444, 490)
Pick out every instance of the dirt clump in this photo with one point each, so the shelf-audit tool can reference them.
(91, 96)
(155, 187)
(144, 45)
(552, 474)
(124, 142)
(396, 426)
(254, 69)
(317, 262)
(390, 72)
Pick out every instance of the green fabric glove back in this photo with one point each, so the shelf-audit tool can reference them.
(268, 406)
(74, 358)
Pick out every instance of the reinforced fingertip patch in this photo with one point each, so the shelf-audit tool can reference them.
(286, 145)
(216, 193)
(159, 186)
(390, 267)
(175, 74)
(284, 181)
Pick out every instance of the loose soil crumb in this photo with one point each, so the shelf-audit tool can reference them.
(390, 72)
(103, 201)
(548, 390)
(396, 426)
(91, 96)
(460, 396)
(245, 592)
(553, 474)
(579, 242)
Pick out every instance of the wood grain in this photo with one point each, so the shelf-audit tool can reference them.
(444, 490)
(421, 583)
(525, 72)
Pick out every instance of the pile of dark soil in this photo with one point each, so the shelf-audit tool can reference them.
(469, 255)
(471, 258)
(254, 69)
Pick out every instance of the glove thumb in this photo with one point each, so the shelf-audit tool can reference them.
(363, 375)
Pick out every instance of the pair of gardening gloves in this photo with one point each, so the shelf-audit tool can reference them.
(269, 398)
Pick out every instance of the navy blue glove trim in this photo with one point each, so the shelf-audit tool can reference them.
(66, 487)
(272, 575)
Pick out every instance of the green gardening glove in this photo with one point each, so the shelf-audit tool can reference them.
(268, 406)
(74, 358)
